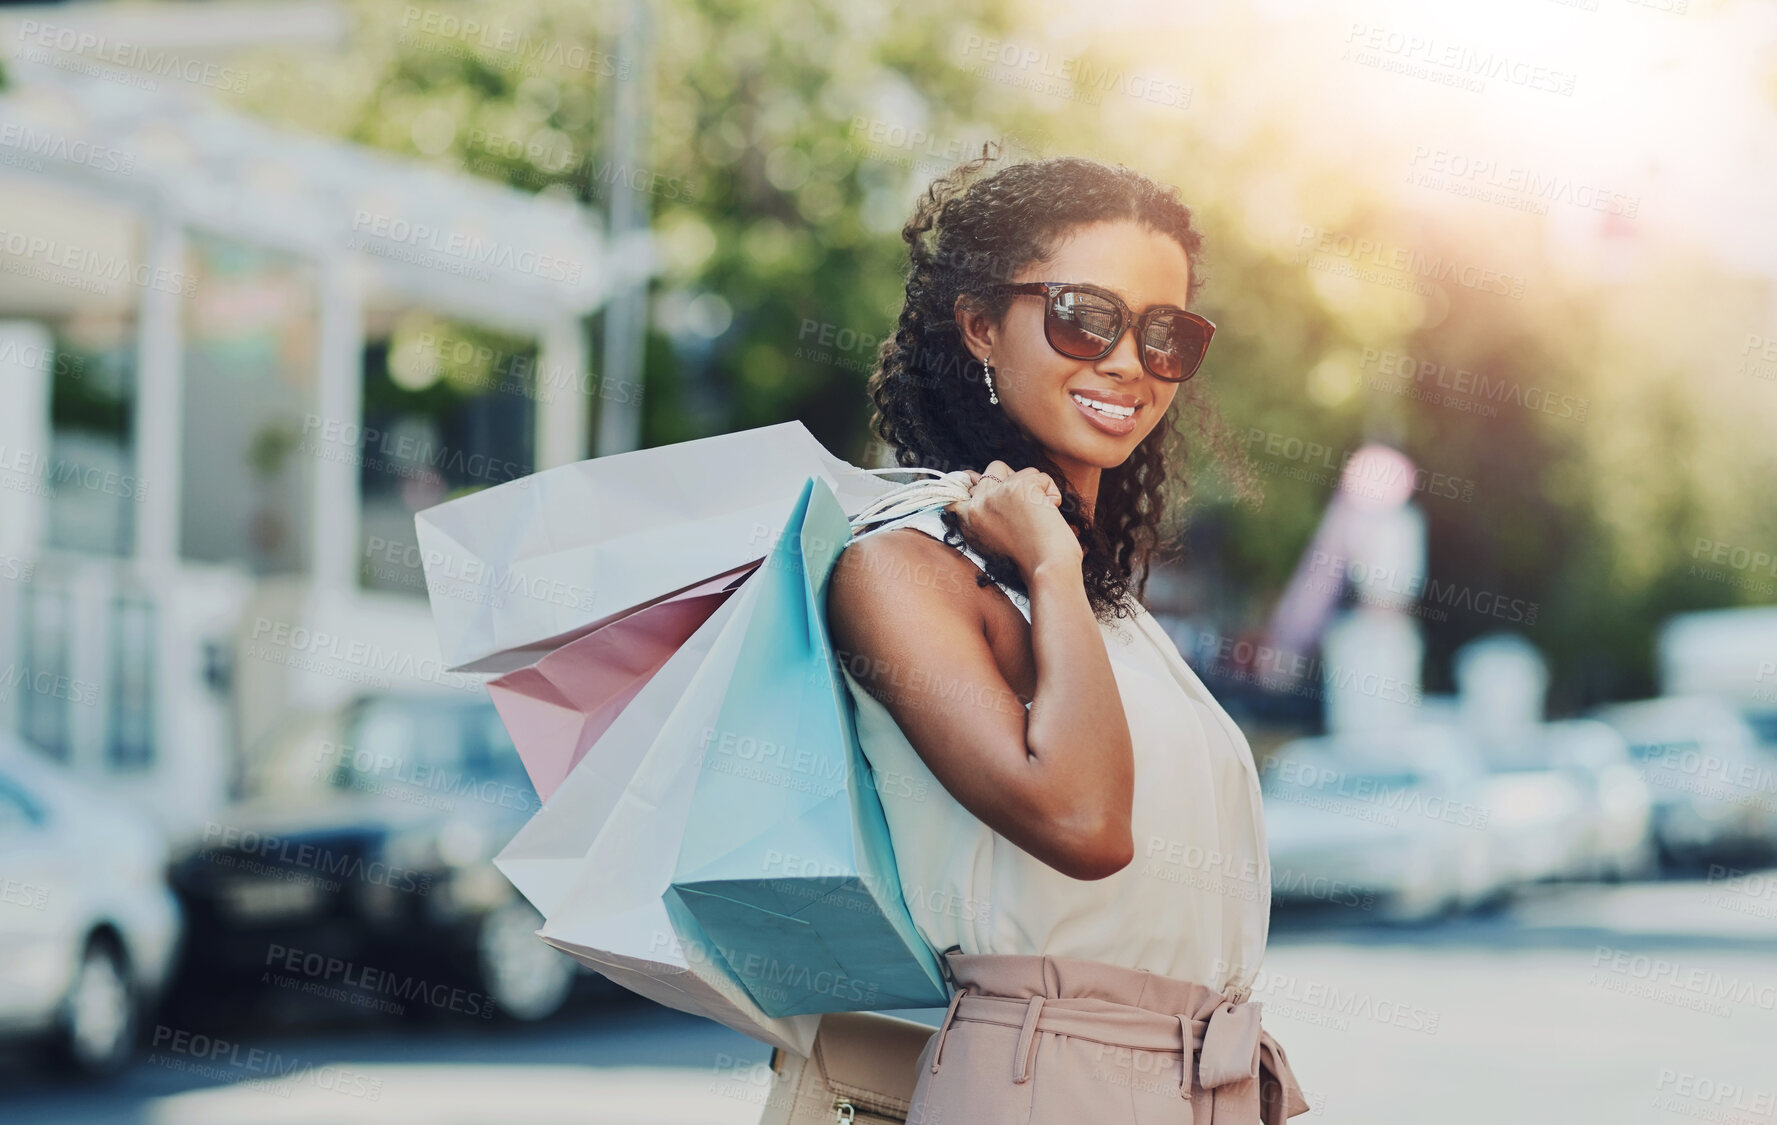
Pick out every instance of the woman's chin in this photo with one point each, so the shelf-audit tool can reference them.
(1102, 450)
(1108, 454)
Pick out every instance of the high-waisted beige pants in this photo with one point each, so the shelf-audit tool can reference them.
(1040, 1040)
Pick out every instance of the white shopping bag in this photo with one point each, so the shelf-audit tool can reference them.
(612, 917)
(517, 570)
(546, 855)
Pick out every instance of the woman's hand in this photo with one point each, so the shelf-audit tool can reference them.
(1018, 515)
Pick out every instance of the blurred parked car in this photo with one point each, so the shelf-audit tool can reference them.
(1540, 799)
(88, 926)
(1727, 653)
(1569, 801)
(1538, 818)
(1714, 792)
(1394, 814)
(1618, 817)
(366, 838)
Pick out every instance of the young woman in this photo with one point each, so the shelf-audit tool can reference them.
(1076, 822)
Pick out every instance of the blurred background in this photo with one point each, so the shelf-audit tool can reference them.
(1488, 576)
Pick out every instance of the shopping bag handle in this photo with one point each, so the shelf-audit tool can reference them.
(940, 490)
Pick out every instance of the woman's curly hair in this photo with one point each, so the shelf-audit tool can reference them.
(931, 404)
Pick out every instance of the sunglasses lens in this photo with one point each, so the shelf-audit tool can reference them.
(1173, 346)
(1082, 324)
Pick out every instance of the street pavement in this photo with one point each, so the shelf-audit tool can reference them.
(1652, 1002)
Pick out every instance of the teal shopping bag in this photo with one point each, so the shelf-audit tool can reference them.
(786, 864)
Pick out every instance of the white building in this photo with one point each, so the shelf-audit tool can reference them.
(193, 549)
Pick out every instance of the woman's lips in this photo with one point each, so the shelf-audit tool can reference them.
(1116, 427)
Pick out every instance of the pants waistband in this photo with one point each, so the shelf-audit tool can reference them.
(1120, 1007)
(1020, 976)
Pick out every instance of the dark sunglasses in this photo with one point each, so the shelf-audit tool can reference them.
(1086, 322)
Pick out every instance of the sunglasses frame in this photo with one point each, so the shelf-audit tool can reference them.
(1051, 290)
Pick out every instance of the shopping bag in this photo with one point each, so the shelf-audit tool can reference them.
(786, 863)
(546, 855)
(558, 707)
(610, 915)
(516, 570)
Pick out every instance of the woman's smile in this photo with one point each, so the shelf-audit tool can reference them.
(1113, 413)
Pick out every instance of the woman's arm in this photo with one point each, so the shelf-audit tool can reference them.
(910, 623)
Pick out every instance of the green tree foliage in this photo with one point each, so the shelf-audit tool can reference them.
(788, 142)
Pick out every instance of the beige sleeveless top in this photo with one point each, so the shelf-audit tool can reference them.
(1195, 902)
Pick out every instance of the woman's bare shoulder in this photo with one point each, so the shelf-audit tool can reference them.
(900, 568)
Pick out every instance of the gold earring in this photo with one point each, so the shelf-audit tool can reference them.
(987, 376)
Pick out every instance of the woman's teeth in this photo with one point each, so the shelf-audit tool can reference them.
(1105, 407)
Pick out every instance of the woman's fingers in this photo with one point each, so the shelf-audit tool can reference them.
(1001, 473)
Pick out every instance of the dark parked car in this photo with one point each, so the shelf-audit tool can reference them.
(358, 867)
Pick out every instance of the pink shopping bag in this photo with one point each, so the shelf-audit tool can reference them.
(556, 708)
